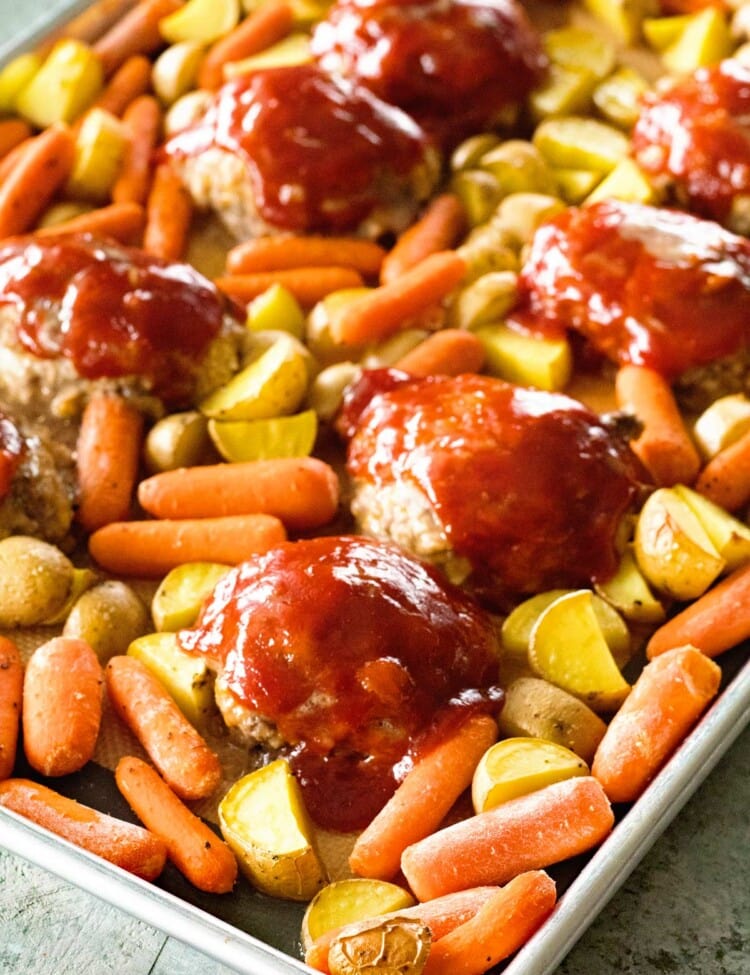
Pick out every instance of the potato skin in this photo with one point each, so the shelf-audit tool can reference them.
(396, 946)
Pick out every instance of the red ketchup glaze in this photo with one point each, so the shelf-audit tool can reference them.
(354, 650)
(121, 311)
(454, 65)
(317, 148)
(11, 453)
(530, 486)
(697, 135)
(642, 285)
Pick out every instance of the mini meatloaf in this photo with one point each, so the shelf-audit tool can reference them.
(344, 652)
(512, 491)
(456, 66)
(646, 286)
(293, 149)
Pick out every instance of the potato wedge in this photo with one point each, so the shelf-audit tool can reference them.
(729, 536)
(278, 436)
(204, 21)
(187, 678)
(277, 309)
(100, 146)
(181, 593)
(63, 87)
(14, 77)
(545, 363)
(629, 594)
(264, 821)
(397, 946)
(349, 900)
(721, 423)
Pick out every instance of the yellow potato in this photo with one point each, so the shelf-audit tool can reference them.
(721, 423)
(279, 436)
(349, 900)
(35, 581)
(204, 21)
(545, 363)
(83, 579)
(516, 766)
(185, 676)
(63, 87)
(264, 821)
(568, 648)
(629, 594)
(100, 145)
(704, 39)
(177, 440)
(14, 77)
(278, 309)
(729, 536)
(398, 946)
(176, 69)
(108, 617)
(182, 592)
(291, 50)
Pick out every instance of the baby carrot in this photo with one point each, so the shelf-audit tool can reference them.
(178, 751)
(664, 445)
(149, 549)
(62, 706)
(717, 621)
(108, 452)
(665, 702)
(169, 211)
(449, 352)
(308, 284)
(500, 927)
(289, 251)
(123, 222)
(128, 846)
(89, 25)
(131, 80)
(527, 833)
(725, 479)
(389, 308)
(11, 685)
(264, 27)
(137, 32)
(9, 161)
(301, 491)
(197, 852)
(39, 170)
(13, 131)
(422, 799)
(143, 120)
(438, 229)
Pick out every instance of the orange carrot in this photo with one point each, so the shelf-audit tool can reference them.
(128, 846)
(178, 751)
(423, 799)
(108, 452)
(197, 852)
(264, 27)
(441, 914)
(664, 445)
(449, 352)
(131, 80)
(13, 131)
(11, 686)
(89, 25)
(500, 928)
(39, 170)
(143, 121)
(725, 479)
(527, 833)
(308, 284)
(665, 702)
(302, 491)
(123, 222)
(390, 307)
(135, 33)
(439, 228)
(289, 251)
(717, 621)
(62, 706)
(169, 211)
(10, 160)
(149, 549)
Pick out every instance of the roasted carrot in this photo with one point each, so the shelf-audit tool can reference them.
(13, 131)
(717, 621)
(128, 846)
(725, 479)
(449, 352)
(664, 445)
(10, 160)
(441, 914)
(308, 284)
(302, 491)
(169, 211)
(149, 549)
(438, 229)
(500, 927)
(123, 222)
(39, 170)
(527, 833)
(665, 702)
(108, 452)
(390, 307)
(178, 751)
(197, 852)
(89, 25)
(143, 121)
(62, 706)
(11, 688)
(423, 799)
(135, 33)
(131, 80)
(289, 251)
(262, 28)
